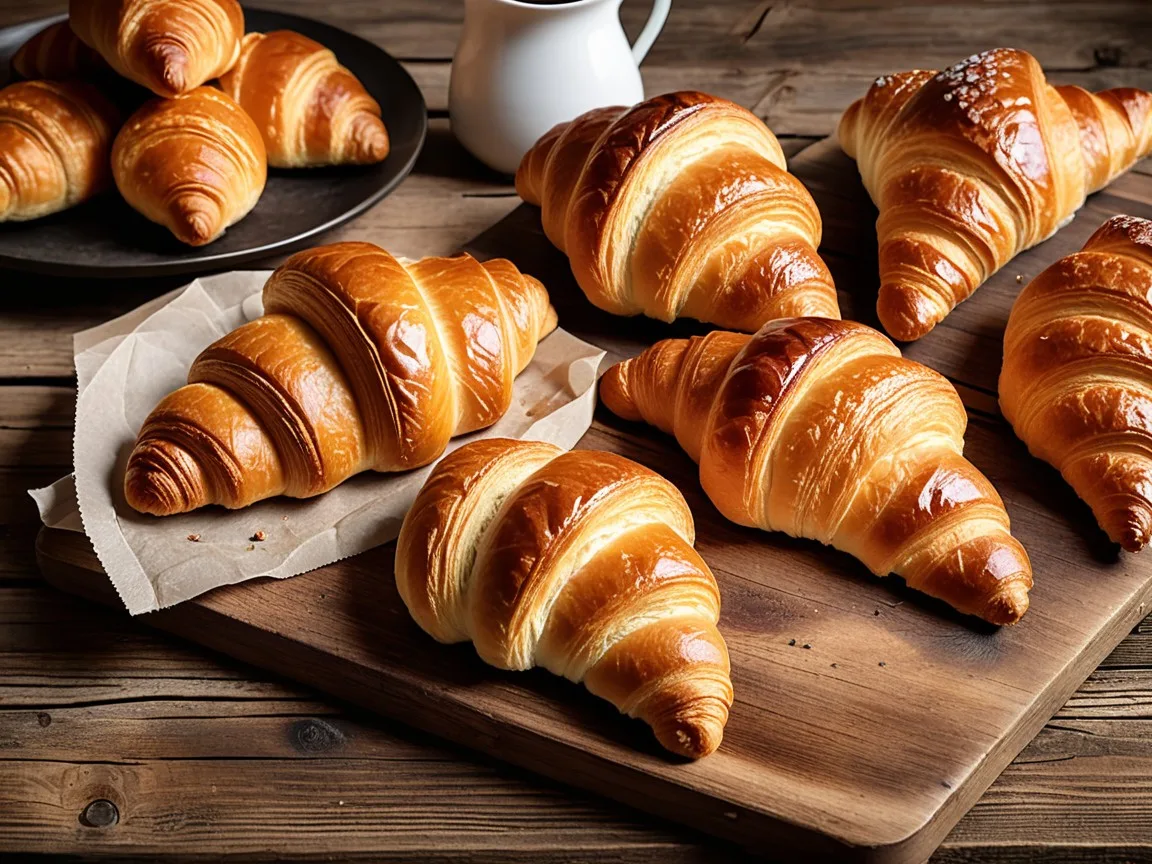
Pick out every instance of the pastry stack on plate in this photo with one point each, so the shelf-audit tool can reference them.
(213, 109)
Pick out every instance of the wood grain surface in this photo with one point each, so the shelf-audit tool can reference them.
(867, 719)
(226, 773)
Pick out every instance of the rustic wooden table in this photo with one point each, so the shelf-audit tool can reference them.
(205, 758)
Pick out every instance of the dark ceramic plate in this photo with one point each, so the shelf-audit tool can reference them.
(107, 238)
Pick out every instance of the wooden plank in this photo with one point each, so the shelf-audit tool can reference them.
(827, 733)
(331, 591)
(223, 739)
(203, 761)
(35, 449)
(270, 808)
(327, 590)
(1135, 652)
(1079, 784)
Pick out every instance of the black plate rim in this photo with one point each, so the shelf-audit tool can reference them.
(208, 262)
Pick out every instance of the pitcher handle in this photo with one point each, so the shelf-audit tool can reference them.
(660, 10)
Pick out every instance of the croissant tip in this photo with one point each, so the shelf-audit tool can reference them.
(905, 312)
(550, 322)
(370, 140)
(1008, 606)
(163, 479)
(152, 491)
(194, 222)
(168, 63)
(1133, 538)
(614, 393)
(697, 735)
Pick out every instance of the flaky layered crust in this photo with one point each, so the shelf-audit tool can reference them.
(194, 164)
(804, 428)
(55, 137)
(310, 110)
(361, 361)
(56, 53)
(970, 166)
(169, 46)
(579, 562)
(1076, 384)
(681, 206)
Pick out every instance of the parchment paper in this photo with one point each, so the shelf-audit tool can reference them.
(126, 366)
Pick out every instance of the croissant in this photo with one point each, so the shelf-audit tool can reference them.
(169, 46)
(803, 428)
(1076, 384)
(971, 166)
(54, 142)
(56, 53)
(360, 362)
(194, 164)
(310, 109)
(580, 562)
(680, 207)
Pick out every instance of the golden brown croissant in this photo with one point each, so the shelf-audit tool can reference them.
(1077, 378)
(194, 164)
(55, 137)
(360, 362)
(681, 206)
(804, 428)
(55, 53)
(169, 46)
(971, 166)
(578, 562)
(310, 109)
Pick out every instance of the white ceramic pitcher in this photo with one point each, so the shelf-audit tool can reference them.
(522, 67)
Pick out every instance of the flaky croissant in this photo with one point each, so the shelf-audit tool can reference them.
(55, 53)
(195, 164)
(971, 166)
(55, 137)
(169, 46)
(1076, 384)
(310, 109)
(360, 362)
(805, 428)
(681, 206)
(578, 562)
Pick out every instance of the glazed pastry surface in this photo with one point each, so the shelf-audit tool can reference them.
(806, 428)
(194, 164)
(55, 137)
(310, 110)
(56, 53)
(1076, 384)
(361, 361)
(579, 562)
(971, 166)
(681, 206)
(169, 46)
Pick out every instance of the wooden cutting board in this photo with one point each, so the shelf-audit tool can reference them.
(867, 719)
